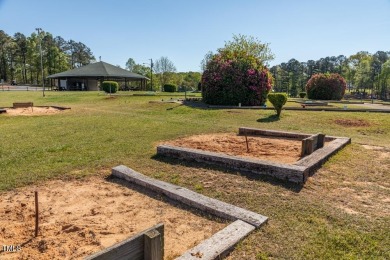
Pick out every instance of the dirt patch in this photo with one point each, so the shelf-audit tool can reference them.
(352, 122)
(110, 97)
(32, 111)
(384, 153)
(273, 149)
(78, 218)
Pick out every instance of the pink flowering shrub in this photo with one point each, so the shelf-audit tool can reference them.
(232, 77)
(326, 87)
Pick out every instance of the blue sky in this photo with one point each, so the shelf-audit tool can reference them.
(186, 30)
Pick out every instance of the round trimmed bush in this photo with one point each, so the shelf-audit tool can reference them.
(110, 86)
(235, 78)
(169, 88)
(302, 94)
(326, 87)
(278, 100)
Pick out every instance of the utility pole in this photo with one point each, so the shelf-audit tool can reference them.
(39, 30)
(151, 74)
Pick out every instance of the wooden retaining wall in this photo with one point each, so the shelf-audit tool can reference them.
(22, 104)
(285, 172)
(146, 245)
(297, 172)
(190, 198)
(222, 242)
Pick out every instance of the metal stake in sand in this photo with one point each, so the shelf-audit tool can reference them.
(36, 214)
(247, 144)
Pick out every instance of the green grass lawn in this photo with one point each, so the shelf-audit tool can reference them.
(342, 212)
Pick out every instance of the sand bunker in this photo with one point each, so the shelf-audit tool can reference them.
(78, 218)
(32, 111)
(273, 149)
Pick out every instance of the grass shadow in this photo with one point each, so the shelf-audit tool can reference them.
(249, 175)
(196, 104)
(171, 108)
(269, 119)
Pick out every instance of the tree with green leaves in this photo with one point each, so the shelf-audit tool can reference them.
(164, 68)
(130, 64)
(249, 45)
(5, 39)
(21, 42)
(207, 57)
(384, 82)
(362, 77)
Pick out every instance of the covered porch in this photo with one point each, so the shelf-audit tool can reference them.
(90, 77)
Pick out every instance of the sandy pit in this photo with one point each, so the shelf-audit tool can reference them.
(272, 149)
(81, 217)
(32, 111)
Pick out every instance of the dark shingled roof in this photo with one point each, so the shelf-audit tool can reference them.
(98, 69)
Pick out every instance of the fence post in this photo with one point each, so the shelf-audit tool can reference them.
(321, 141)
(152, 246)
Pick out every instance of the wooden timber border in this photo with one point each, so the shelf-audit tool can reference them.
(312, 143)
(188, 197)
(221, 243)
(297, 172)
(27, 104)
(148, 244)
(328, 109)
(22, 104)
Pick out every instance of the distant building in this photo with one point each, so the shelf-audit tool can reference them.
(90, 76)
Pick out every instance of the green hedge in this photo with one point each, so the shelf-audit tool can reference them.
(110, 86)
(278, 100)
(302, 94)
(169, 88)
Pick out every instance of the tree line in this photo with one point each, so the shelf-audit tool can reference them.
(164, 72)
(20, 58)
(364, 72)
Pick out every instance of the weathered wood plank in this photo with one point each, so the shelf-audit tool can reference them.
(312, 143)
(286, 172)
(131, 248)
(316, 159)
(320, 140)
(303, 148)
(220, 244)
(190, 198)
(22, 104)
(309, 145)
(263, 132)
(152, 246)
